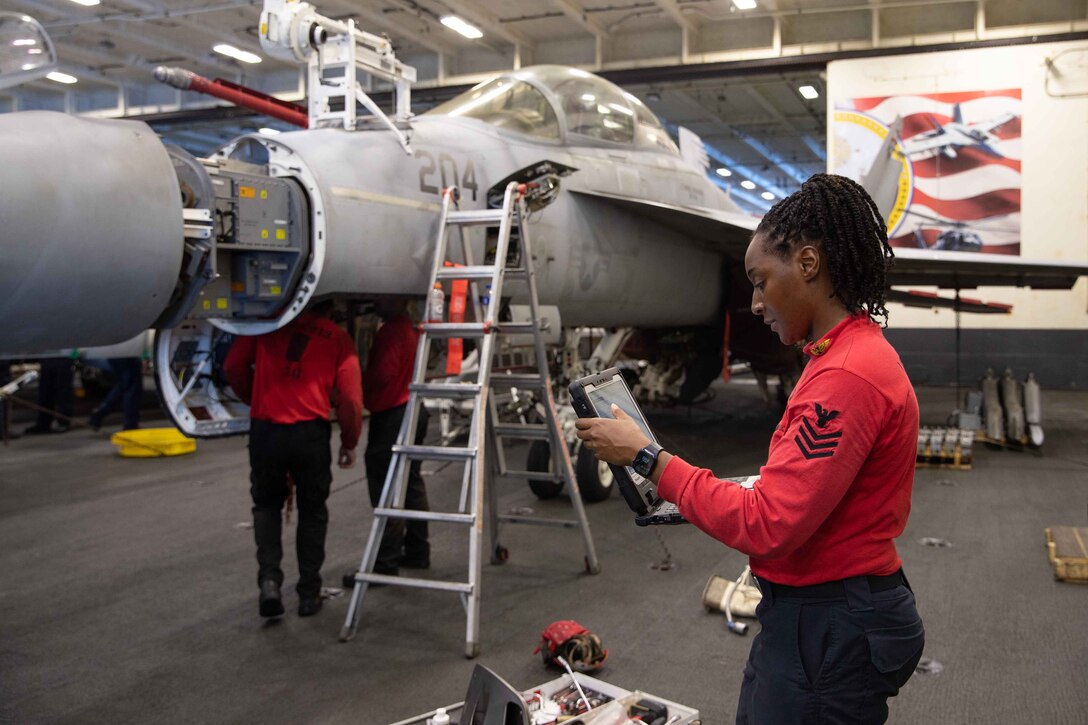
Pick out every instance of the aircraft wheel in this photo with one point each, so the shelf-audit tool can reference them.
(540, 459)
(595, 478)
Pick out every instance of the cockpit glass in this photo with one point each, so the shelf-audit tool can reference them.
(506, 103)
(26, 53)
(596, 109)
(593, 108)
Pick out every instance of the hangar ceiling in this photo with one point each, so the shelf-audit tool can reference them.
(730, 75)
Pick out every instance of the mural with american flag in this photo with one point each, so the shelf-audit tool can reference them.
(958, 156)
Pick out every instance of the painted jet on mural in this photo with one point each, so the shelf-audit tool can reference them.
(947, 138)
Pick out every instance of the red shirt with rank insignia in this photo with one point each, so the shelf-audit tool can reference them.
(835, 491)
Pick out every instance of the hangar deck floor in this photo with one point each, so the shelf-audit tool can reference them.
(128, 590)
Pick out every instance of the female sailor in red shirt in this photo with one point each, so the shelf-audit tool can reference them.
(839, 629)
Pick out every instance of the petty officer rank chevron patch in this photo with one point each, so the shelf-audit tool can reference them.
(811, 442)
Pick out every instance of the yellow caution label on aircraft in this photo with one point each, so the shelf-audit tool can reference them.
(207, 304)
(221, 303)
(264, 234)
(247, 192)
(264, 193)
(281, 234)
(276, 290)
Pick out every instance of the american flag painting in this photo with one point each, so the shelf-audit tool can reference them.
(958, 159)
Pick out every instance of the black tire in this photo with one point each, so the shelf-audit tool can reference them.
(540, 459)
(595, 479)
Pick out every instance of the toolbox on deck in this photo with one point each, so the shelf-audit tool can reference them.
(612, 705)
(1067, 548)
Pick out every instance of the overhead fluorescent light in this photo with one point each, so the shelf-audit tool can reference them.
(745, 4)
(747, 184)
(24, 41)
(88, 3)
(809, 92)
(724, 172)
(768, 196)
(61, 77)
(34, 51)
(268, 131)
(231, 52)
(464, 28)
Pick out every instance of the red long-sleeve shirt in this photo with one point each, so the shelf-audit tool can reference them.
(288, 376)
(835, 491)
(390, 365)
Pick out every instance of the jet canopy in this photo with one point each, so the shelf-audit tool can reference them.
(26, 52)
(561, 104)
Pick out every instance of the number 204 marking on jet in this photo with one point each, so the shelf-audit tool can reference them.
(443, 169)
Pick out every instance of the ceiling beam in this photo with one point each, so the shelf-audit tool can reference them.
(673, 11)
(204, 29)
(763, 103)
(578, 14)
(133, 34)
(704, 115)
(489, 22)
(376, 22)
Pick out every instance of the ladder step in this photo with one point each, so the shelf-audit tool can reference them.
(435, 453)
(517, 328)
(446, 518)
(517, 380)
(405, 581)
(445, 390)
(538, 521)
(481, 272)
(471, 217)
(533, 475)
(523, 430)
(444, 330)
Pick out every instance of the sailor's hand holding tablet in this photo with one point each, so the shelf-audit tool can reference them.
(618, 440)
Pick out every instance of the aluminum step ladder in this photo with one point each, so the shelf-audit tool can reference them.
(483, 457)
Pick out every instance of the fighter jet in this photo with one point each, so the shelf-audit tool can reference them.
(108, 232)
(946, 138)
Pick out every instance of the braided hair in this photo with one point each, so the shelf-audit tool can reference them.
(838, 215)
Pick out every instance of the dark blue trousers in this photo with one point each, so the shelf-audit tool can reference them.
(127, 390)
(830, 659)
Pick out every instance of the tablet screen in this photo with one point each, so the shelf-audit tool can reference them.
(615, 391)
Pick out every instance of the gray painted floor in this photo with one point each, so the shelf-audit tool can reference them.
(127, 589)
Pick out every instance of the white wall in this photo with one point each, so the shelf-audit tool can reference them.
(1054, 176)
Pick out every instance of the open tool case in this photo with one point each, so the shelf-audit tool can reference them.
(492, 701)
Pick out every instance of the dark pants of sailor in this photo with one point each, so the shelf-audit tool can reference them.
(303, 451)
(830, 653)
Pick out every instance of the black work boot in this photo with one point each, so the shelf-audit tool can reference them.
(308, 606)
(271, 604)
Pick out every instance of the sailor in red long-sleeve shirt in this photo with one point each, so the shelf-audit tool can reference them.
(287, 377)
(840, 632)
(388, 372)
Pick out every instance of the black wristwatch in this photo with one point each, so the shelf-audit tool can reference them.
(645, 460)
